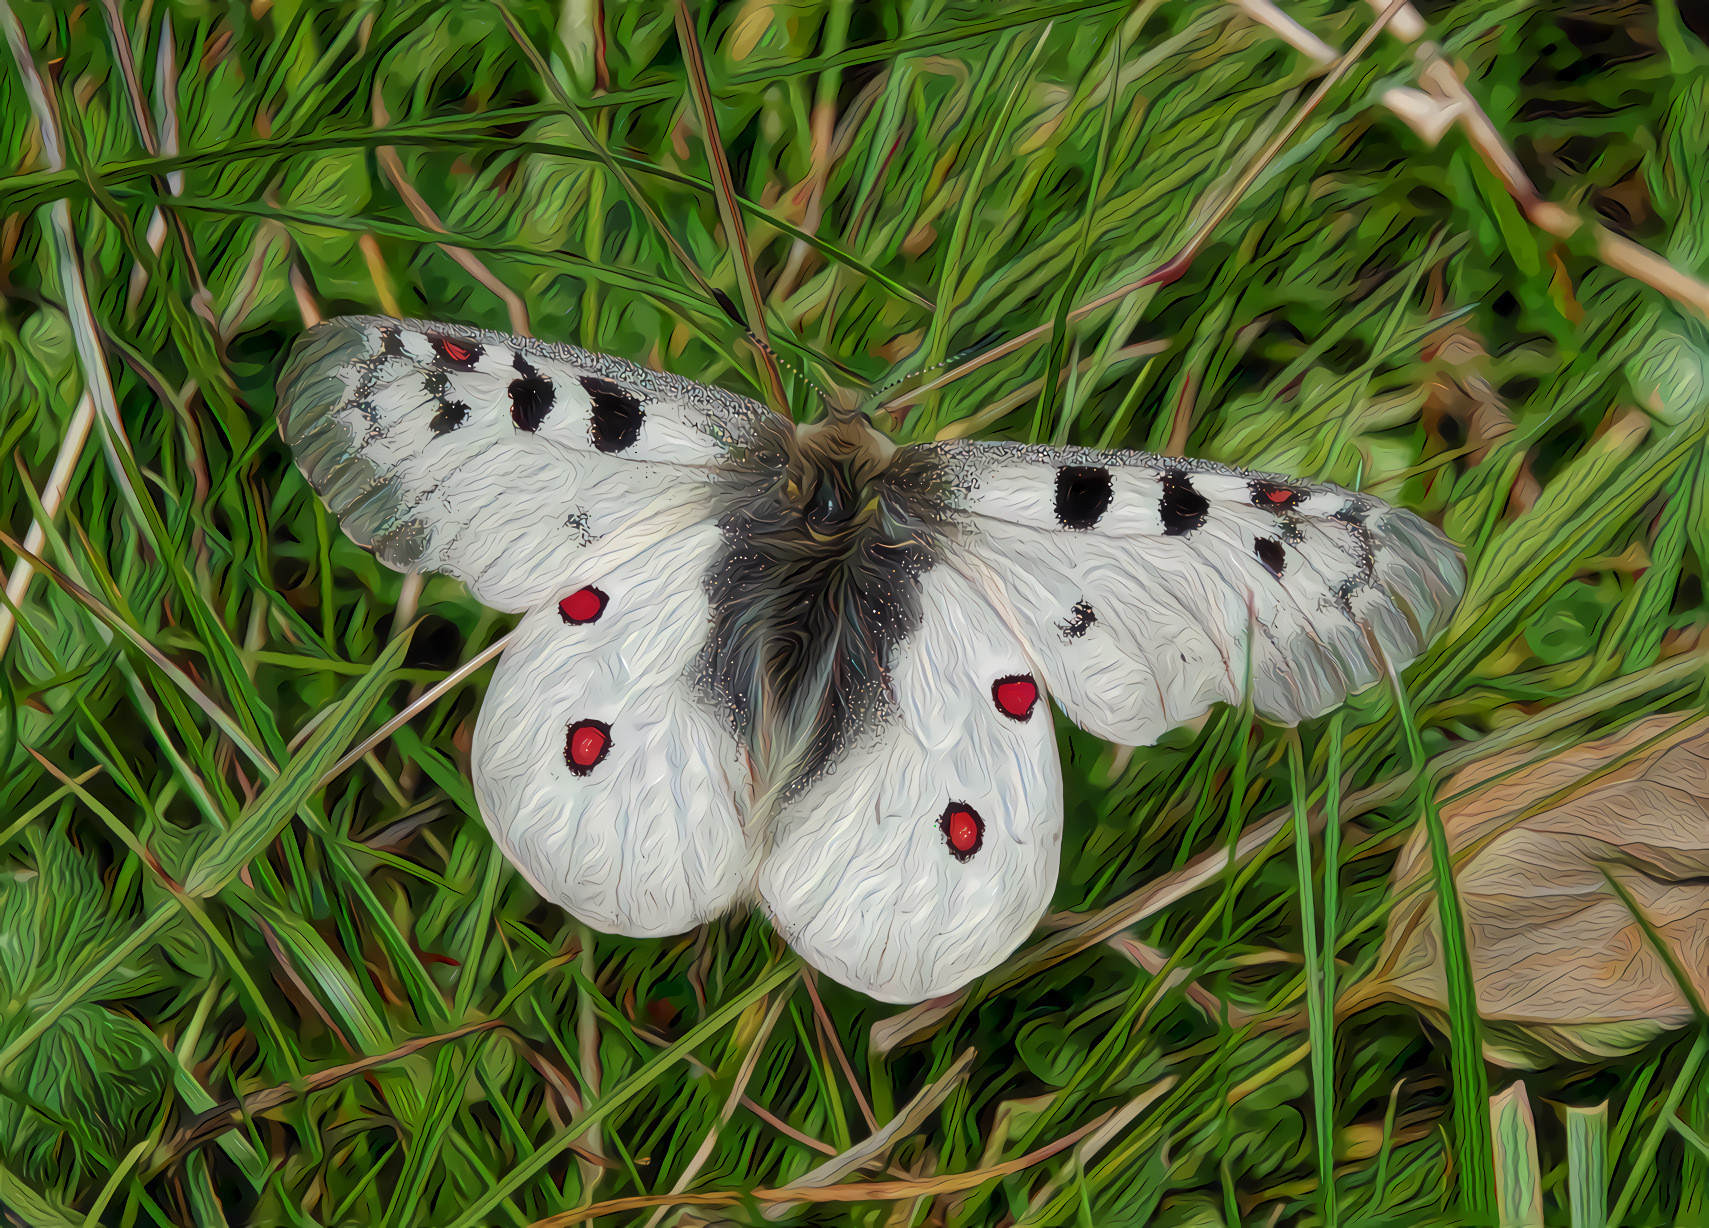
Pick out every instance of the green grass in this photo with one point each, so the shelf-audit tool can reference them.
(234, 990)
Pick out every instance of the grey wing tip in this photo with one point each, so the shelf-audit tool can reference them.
(309, 387)
(1424, 569)
(314, 388)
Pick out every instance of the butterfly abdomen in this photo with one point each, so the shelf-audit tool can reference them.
(816, 587)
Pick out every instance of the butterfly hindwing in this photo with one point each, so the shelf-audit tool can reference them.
(608, 783)
(505, 460)
(1146, 586)
(929, 851)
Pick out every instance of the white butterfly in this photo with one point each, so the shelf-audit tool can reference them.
(802, 663)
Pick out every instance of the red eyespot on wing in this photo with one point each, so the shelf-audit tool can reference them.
(588, 742)
(1273, 495)
(462, 355)
(582, 606)
(963, 829)
(1015, 696)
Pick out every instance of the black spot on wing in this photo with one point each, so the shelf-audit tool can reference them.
(615, 422)
(578, 520)
(1344, 594)
(448, 413)
(1080, 618)
(458, 355)
(448, 416)
(1271, 554)
(1182, 508)
(391, 344)
(530, 396)
(1353, 514)
(1082, 496)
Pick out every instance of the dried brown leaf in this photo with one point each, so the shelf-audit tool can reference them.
(1561, 964)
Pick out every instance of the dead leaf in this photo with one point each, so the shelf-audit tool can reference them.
(1561, 965)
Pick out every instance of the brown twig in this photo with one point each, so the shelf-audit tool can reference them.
(423, 213)
(728, 209)
(824, 1018)
(873, 1191)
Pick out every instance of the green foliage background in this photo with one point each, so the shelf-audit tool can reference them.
(917, 177)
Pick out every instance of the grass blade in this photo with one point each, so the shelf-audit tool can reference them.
(1471, 1081)
(1320, 1009)
(752, 300)
(298, 780)
(626, 1091)
(1587, 1165)
(1518, 1180)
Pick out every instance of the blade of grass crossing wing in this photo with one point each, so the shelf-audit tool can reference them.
(298, 780)
(1587, 1165)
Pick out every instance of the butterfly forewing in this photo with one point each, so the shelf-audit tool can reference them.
(504, 460)
(1148, 588)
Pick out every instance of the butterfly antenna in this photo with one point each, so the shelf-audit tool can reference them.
(978, 347)
(825, 398)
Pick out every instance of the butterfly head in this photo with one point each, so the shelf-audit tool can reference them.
(833, 470)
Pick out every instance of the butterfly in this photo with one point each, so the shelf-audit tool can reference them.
(803, 665)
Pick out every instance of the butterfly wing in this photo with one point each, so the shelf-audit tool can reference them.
(608, 783)
(1143, 585)
(505, 461)
(930, 850)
